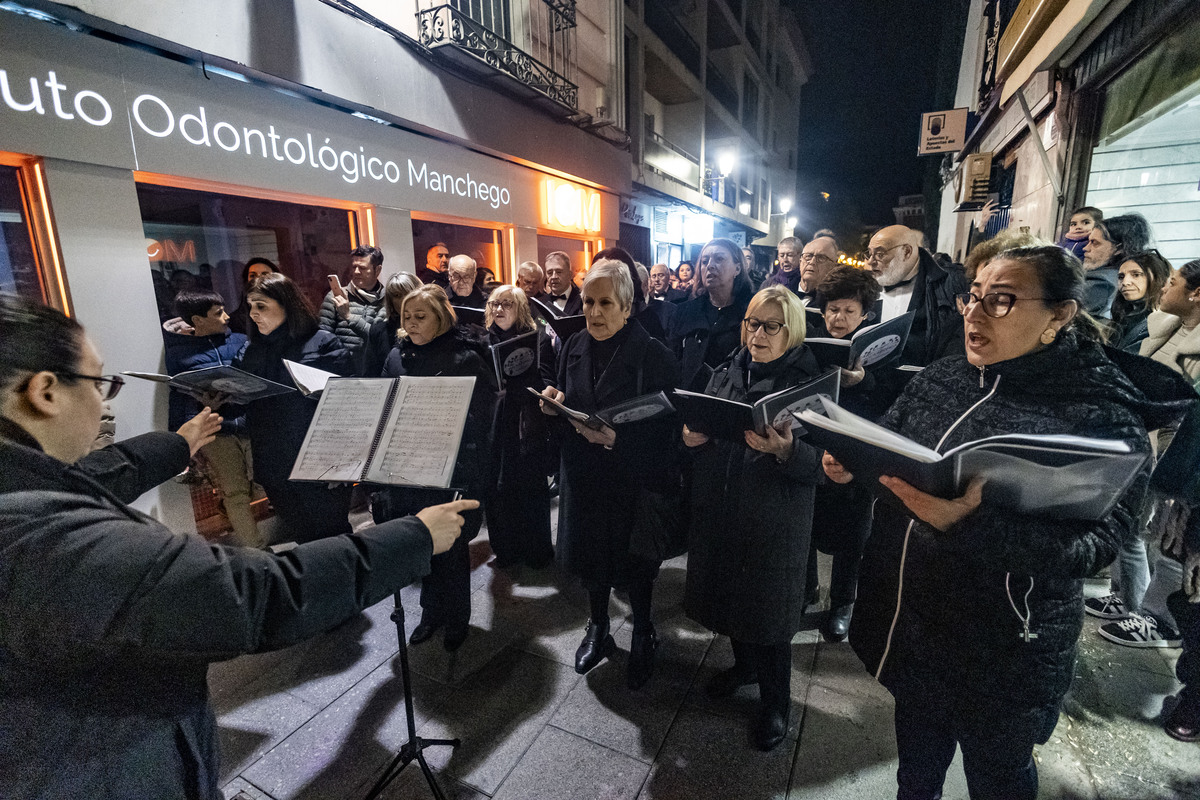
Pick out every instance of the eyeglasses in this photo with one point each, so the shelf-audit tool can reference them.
(880, 253)
(115, 382)
(995, 304)
(498, 304)
(819, 257)
(770, 326)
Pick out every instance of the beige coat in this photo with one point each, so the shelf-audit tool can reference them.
(1162, 327)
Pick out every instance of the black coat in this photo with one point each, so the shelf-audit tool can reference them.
(704, 336)
(110, 620)
(574, 304)
(751, 516)
(937, 327)
(380, 341)
(599, 487)
(957, 632)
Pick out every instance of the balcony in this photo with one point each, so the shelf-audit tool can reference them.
(463, 39)
(720, 88)
(668, 27)
(664, 157)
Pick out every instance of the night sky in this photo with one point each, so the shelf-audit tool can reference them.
(874, 74)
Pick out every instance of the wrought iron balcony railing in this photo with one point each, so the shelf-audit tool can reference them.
(446, 26)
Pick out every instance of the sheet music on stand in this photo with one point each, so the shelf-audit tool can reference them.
(402, 431)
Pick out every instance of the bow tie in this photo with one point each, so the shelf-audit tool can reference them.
(558, 297)
(899, 285)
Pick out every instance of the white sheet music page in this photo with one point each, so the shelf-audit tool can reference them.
(339, 439)
(423, 433)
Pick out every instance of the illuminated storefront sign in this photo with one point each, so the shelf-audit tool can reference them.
(568, 206)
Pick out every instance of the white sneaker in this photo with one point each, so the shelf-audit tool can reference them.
(1140, 630)
(1108, 607)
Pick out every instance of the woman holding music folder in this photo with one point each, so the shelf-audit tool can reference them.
(604, 471)
(285, 327)
(751, 508)
(433, 345)
(969, 610)
(518, 500)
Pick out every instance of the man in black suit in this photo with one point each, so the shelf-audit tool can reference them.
(460, 283)
(437, 259)
(660, 286)
(561, 292)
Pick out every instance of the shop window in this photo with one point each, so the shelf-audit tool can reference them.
(485, 245)
(197, 239)
(19, 271)
(1146, 154)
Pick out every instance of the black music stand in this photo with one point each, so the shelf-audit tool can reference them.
(411, 750)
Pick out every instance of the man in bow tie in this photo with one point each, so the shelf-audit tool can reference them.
(560, 289)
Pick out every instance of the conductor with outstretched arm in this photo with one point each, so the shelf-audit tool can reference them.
(108, 620)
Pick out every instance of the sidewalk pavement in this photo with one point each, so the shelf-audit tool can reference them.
(323, 718)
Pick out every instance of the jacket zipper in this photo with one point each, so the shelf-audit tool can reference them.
(908, 531)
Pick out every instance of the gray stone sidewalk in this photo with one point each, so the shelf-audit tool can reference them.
(322, 719)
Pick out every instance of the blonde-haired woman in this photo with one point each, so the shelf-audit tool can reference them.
(752, 506)
(431, 344)
(603, 472)
(518, 501)
(385, 331)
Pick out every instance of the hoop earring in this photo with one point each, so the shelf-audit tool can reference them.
(1049, 335)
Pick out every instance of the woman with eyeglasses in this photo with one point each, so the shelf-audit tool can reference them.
(518, 501)
(432, 344)
(969, 611)
(285, 327)
(751, 512)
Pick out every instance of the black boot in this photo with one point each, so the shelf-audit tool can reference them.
(597, 645)
(454, 636)
(770, 724)
(641, 657)
(837, 624)
(424, 630)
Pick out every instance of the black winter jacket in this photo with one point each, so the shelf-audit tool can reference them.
(751, 516)
(186, 353)
(702, 335)
(108, 620)
(957, 631)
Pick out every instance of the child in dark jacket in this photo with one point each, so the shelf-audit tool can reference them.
(1081, 224)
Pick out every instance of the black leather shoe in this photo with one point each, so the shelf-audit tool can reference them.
(454, 637)
(641, 658)
(1184, 722)
(728, 681)
(770, 726)
(596, 646)
(837, 624)
(423, 632)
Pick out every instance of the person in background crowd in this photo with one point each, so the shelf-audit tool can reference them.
(1109, 244)
(239, 320)
(751, 512)
(842, 513)
(707, 328)
(1079, 228)
(518, 501)
(349, 311)
(984, 252)
(663, 310)
(485, 279)
(110, 619)
(561, 292)
(816, 260)
(660, 285)
(461, 289)
(685, 281)
(1174, 342)
(437, 261)
(530, 279)
(650, 319)
(227, 457)
(1140, 280)
(386, 330)
(286, 328)
(995, 687)
(604, 471)
(788, 274)
(432, 345)
(756, 272)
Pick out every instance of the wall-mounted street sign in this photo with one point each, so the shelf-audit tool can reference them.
(943, 131)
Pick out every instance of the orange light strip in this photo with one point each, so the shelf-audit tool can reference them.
(51, 239)
(370, 212)
(512, 255)
(353, 229)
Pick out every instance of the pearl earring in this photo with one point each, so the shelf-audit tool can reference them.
(1049, 335)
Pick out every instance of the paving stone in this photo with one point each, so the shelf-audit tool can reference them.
(560, 765)
(340, 752)
(497, 714)
(602, 709)
(837, 668)
(489, 635)
(708, 756)
(410, 784)
(242, 789)
(255, 726)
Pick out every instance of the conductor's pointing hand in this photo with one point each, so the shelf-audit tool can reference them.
(445, 522)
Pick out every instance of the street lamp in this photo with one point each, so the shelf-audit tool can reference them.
(785, 205)
(726, 161)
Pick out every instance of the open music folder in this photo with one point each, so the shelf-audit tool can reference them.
(402, 431)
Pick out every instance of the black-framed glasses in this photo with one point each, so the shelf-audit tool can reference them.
(772, 327)
(880, 253)
(818, 257)
(995, 304)
(497, 304)
(107, 385)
